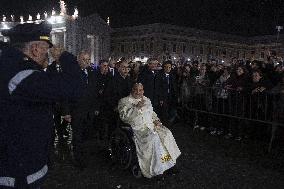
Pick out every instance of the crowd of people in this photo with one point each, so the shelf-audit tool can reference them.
(39, 99)
(243, 91)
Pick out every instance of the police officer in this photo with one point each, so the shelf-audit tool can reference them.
(27, 96)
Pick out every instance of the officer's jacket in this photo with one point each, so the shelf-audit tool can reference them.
(27, 94)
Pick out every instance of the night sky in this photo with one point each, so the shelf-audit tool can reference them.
(242, 17)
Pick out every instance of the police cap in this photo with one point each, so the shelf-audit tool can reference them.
(29, 32)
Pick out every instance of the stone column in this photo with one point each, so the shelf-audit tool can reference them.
(64, 39)
(97, 48)
(92, 47)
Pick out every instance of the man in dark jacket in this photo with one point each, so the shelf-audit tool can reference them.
(118, 87)
(166, 93)
(27, 95)
(147, 79)
(59, 125)
(82, 112)
(101, 78)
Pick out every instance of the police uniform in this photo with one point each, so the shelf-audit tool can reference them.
(27, 95)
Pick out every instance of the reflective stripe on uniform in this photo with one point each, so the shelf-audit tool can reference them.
(7, 181)
(10, 182)
(36, 176)
(18, 78)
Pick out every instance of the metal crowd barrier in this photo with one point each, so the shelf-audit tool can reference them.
(240, 105)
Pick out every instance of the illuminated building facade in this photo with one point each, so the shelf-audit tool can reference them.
(165, 41)
(72, 32)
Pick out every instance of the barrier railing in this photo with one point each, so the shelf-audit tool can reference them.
(258, 107)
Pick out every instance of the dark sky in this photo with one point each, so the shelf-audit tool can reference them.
(243, 17)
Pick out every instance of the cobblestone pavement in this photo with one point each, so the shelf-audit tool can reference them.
(206, 162)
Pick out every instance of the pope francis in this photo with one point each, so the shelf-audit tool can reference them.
(156, 148)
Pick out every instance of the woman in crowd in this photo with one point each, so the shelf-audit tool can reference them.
(221, 102)
(237, 85)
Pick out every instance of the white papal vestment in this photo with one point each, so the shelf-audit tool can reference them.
(156, 147)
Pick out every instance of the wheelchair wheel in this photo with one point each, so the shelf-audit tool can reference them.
(136, 171)
(121, 150)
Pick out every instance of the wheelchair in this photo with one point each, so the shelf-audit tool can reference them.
(122, 149)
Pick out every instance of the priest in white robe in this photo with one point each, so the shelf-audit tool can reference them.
(156, 147)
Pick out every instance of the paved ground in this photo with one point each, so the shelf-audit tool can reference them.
(206, 162)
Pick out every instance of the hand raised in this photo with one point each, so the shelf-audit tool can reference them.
(157, 123)
(141, 103)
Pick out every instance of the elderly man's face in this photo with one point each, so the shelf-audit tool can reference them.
(123, 69)
(84, 60)
(137, 91)
(39, 53)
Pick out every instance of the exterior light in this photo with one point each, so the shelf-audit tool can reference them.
(38, 16)
(222, 61)
(175, 58)
(45, 15)
(76, 13)
(188, 59)
(12, 18)
(22, 19)
(62, 8)
(30, 19)
(4, 18)
(53, 12)
(108, 21)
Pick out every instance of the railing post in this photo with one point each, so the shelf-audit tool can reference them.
(273, 132)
